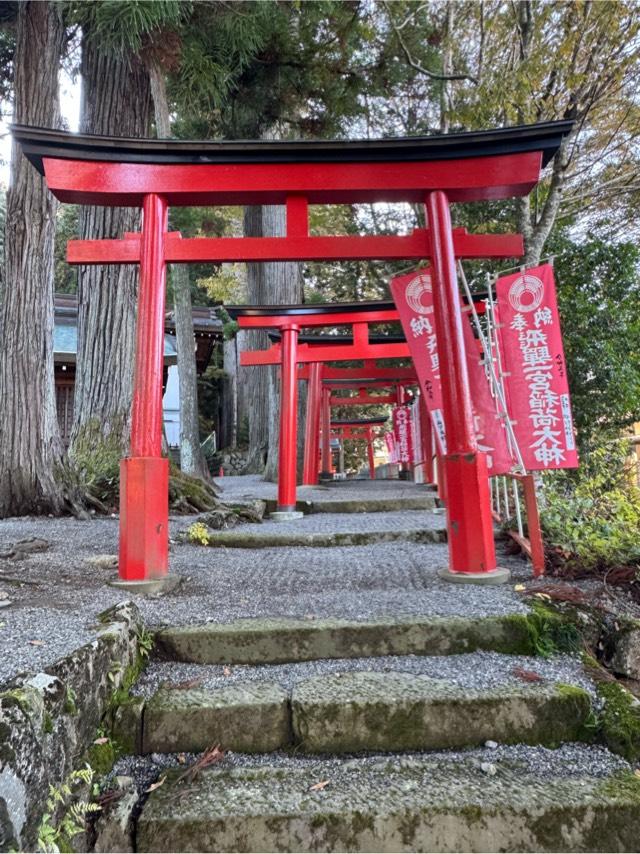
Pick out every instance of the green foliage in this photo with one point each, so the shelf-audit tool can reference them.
(57, 835)
(594, 519)
(550, 632)
(599, 302)
(125, 27)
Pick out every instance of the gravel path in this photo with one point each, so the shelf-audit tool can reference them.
(568, 761)
(476, 671)
(55, 595)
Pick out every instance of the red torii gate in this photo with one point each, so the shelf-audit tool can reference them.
(154, 174)
(359, 428)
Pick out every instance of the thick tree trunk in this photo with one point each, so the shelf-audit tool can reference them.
(192, 459)
(282, 285)
(31, 473)
(257, 379)
(116, 100)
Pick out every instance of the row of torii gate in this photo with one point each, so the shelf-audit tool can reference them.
(435, 171)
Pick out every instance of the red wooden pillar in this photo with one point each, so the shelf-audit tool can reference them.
(470, 526)
(312, 425)
(370, 452)
(144, 476)
(287, 453)
(326, 434)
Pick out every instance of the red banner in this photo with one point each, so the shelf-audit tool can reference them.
(391, 447)
(402, 433)
(537, 386)
(414, 300)
(490, 427)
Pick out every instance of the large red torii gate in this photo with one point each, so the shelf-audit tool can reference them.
(154, 174)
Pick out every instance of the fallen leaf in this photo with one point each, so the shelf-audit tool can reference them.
(544, 596)
(527, 675)
(226, 671)
(36, 643)
(157, 785)
(519, 588)
(182, 758)
(101, 741)
(318, 787)
(636, 773)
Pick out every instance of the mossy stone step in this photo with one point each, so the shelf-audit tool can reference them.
(265, 539)
(410, 804)
(363, 505)
(280, 640)
(351, 712)
(251, 717)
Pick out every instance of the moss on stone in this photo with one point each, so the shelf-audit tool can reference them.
(624, 786)
(620, 720)
(47, 725)
(101, 757)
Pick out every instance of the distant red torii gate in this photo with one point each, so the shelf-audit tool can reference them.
(155, 174)
(360, 429)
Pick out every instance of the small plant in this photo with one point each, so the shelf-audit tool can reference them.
(145, 643)
(198, 533)
(58, 837)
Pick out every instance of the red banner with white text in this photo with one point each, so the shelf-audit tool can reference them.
(402, 433)
(392, 451)
(414, 300)
(537, 387)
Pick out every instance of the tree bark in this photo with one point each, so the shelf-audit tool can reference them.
(282, 285)
(116, 100)
(258, 380)
(32, 479)
(192, 459)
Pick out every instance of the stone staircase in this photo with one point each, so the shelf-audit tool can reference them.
(379, 733)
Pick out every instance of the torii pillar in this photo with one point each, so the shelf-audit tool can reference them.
(469, 522)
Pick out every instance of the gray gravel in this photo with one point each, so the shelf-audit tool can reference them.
(476, 671)
(567, 761)
(56, 595)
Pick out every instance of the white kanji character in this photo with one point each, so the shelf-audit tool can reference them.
(420, 325)
(543, 317)
(519, 323)
(546, 454)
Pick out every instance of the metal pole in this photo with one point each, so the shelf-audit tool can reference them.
(469, 521)
(287, 453)
(144, 477)
(516, 499)
(314, 393)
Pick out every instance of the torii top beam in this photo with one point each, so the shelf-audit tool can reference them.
(473, 166)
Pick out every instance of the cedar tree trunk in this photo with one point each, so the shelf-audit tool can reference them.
(192, 459)
(116, 100)
(30, 446)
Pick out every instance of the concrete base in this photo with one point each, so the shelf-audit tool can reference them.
(149, 587)
(286, 515)
(494, 576)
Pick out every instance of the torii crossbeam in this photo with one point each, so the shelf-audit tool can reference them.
(154, 174)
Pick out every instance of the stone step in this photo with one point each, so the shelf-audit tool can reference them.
(271, 535)
(524, 799)
(390, 504)
(356, 711)
(275, 640)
